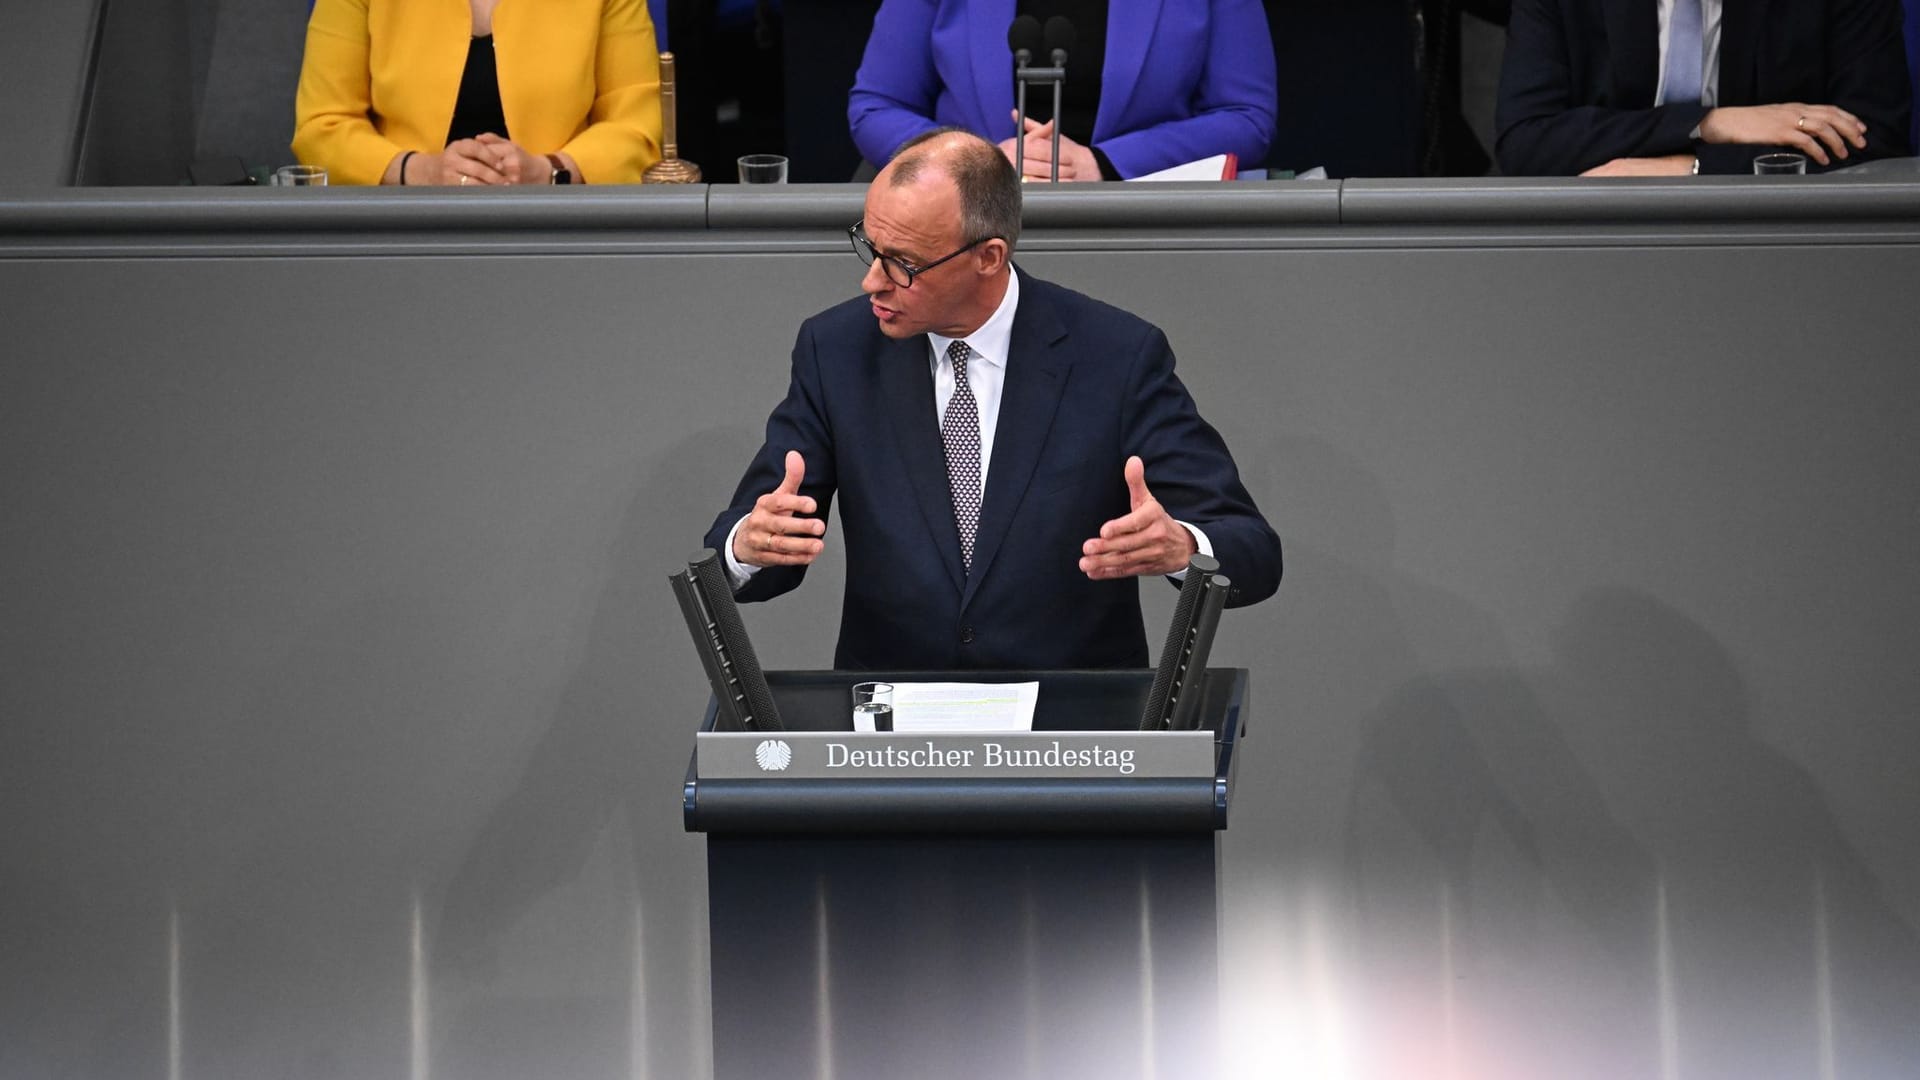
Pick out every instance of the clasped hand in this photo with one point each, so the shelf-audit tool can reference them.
(485, 159)
(1076, 161)
(1146, 540)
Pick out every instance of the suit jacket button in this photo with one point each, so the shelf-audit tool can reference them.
(966, 635)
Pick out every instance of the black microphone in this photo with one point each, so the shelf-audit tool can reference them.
(1059, 38)
(1025, 38)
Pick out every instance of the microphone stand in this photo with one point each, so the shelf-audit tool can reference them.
(1060, 65)
(1057, 75)
(1021, 58)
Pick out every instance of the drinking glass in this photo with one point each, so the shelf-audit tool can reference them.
(763, 169)
(1780, 165)
(300, 176)
(873, 706)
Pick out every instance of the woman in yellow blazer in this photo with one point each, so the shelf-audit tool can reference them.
(578, 91)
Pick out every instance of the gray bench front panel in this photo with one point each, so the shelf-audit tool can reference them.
(346, 708)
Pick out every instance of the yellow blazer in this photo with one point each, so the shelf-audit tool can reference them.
(380, 78)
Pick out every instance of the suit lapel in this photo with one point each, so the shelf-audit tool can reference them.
(1036, 377)
(906, 377)
(1126, 60)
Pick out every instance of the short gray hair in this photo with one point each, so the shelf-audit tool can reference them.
(989, 188)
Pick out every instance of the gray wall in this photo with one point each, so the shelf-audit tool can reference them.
(184, 80)
(173, 81)
(44, 55)
(345, 708)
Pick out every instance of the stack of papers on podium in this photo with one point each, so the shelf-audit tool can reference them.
(1217, 167)
(934, 707)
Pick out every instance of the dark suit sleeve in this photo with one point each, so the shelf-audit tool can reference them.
(1867, 55)
(1541, 128)
(800, 423)
(1866, 66)
(1190, 471)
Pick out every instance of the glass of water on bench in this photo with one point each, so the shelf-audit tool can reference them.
(873, 706)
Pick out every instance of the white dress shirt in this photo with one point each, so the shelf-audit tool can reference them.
(1710, 11)
(987, 376)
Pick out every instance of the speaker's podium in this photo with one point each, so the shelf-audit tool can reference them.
(999, 904)
(964, 904)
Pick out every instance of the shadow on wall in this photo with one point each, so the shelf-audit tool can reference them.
(618, 740)
(1347, 626)
(1782, 943)
(1729, 928)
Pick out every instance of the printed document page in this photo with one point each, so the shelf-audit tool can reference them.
(1216, 167)
(959, 706)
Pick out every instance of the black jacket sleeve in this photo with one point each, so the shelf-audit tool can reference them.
(1540, 126)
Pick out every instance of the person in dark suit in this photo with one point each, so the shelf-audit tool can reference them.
(1669, 87)
(1009, 455)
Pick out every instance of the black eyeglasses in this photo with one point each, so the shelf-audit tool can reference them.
(898, 272)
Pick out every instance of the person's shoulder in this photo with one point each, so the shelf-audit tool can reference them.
(842, 342)
(849, 320)
(1080, 314)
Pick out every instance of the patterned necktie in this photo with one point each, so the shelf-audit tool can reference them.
(960, 431)
(1685, 44)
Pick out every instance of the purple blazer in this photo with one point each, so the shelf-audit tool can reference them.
(1184, 79)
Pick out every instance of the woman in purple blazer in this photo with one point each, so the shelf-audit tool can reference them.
(1150, 83)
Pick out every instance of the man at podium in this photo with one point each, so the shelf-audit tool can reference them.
(1010, 456)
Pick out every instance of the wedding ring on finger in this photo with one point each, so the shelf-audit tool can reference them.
(1801, 123)
(465, 179)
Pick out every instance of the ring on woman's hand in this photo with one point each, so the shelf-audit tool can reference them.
(1801, 123)
(465, 179)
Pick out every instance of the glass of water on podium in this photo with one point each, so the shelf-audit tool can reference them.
(873, 706)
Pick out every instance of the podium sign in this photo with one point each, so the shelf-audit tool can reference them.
(1049, 755)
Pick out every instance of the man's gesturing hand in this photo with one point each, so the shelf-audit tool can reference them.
(1146, 541)
(774, 534)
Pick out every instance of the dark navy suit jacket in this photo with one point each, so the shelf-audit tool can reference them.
(1182, 79)
(1579, 79)
(1087, 385)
